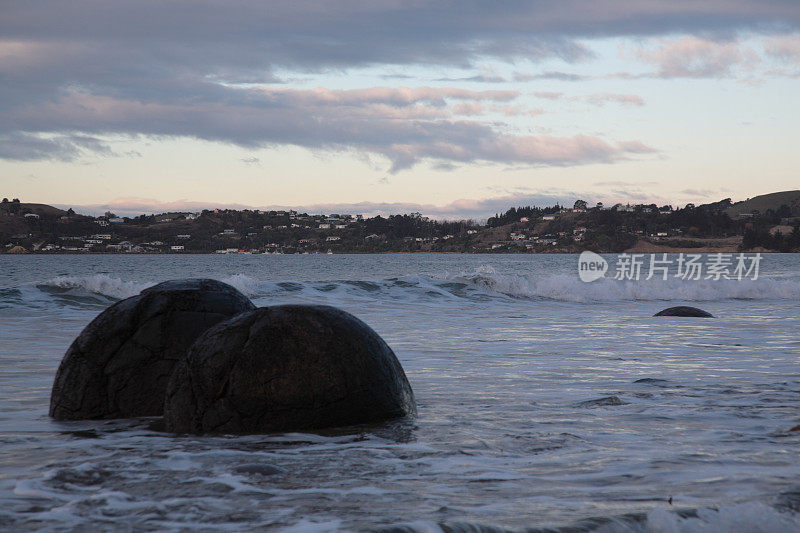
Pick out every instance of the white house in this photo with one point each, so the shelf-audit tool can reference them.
(31, 215)
(329, 239)
(178, 248)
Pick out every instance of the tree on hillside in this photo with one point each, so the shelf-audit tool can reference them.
(580, 204)
(794, 238)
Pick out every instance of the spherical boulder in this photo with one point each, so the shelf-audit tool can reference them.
(286, 368)
(683, 310)
(120, 364)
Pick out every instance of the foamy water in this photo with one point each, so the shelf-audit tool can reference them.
(543, 402)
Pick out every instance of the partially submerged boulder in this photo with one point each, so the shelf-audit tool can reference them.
(286, 368)
(683, 310)
(120, 364)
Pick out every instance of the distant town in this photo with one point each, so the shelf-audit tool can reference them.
(764, 223)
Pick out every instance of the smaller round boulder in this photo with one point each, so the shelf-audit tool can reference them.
(683, 310)
(286, 368)
(120, 364)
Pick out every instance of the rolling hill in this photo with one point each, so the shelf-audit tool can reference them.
(767, 201)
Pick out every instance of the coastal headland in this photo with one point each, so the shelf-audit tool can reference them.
(767, 223)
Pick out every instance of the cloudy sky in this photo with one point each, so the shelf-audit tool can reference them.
(456, 109)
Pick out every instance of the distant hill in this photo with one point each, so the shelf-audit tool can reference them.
(43, 210)
(767, 201)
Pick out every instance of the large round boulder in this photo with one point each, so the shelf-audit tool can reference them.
(285, 368)
(120, 364)
(683, 310)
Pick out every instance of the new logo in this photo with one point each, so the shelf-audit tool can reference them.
(591, 266)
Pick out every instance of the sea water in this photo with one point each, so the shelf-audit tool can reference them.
(544, 402)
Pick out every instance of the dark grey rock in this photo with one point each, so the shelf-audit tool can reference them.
(651, 381)
(286, 368)
(120, 364)
(607, 400)
(683, 310)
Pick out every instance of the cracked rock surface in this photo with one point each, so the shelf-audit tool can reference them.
(286, 368)
(119, 366)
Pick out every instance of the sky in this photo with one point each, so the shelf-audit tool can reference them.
(452, 109)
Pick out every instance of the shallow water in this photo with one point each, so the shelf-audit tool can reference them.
(543, 402)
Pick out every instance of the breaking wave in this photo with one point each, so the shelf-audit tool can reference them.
(486, 284)
(100, 284)
(483, 284)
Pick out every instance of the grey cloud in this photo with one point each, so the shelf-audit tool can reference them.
(248, 40)
(72, 72)
(478, 78)
(559, 76)
(404, 125)
(18, 146)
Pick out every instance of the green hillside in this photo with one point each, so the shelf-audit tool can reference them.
(767, 201)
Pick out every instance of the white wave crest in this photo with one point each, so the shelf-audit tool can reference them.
(245, 284)
(571, 289)
(480, 283)
(101, 284)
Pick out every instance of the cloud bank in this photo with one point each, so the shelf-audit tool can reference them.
(73, 73)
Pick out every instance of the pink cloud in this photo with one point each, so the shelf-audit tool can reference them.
(461, 208)
(400, 96)
(549, 95)
(625, 99)
(694, 57)
(786, 48)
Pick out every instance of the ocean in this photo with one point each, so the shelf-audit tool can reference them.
(545, 403)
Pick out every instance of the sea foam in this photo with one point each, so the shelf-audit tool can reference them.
(478, 285)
